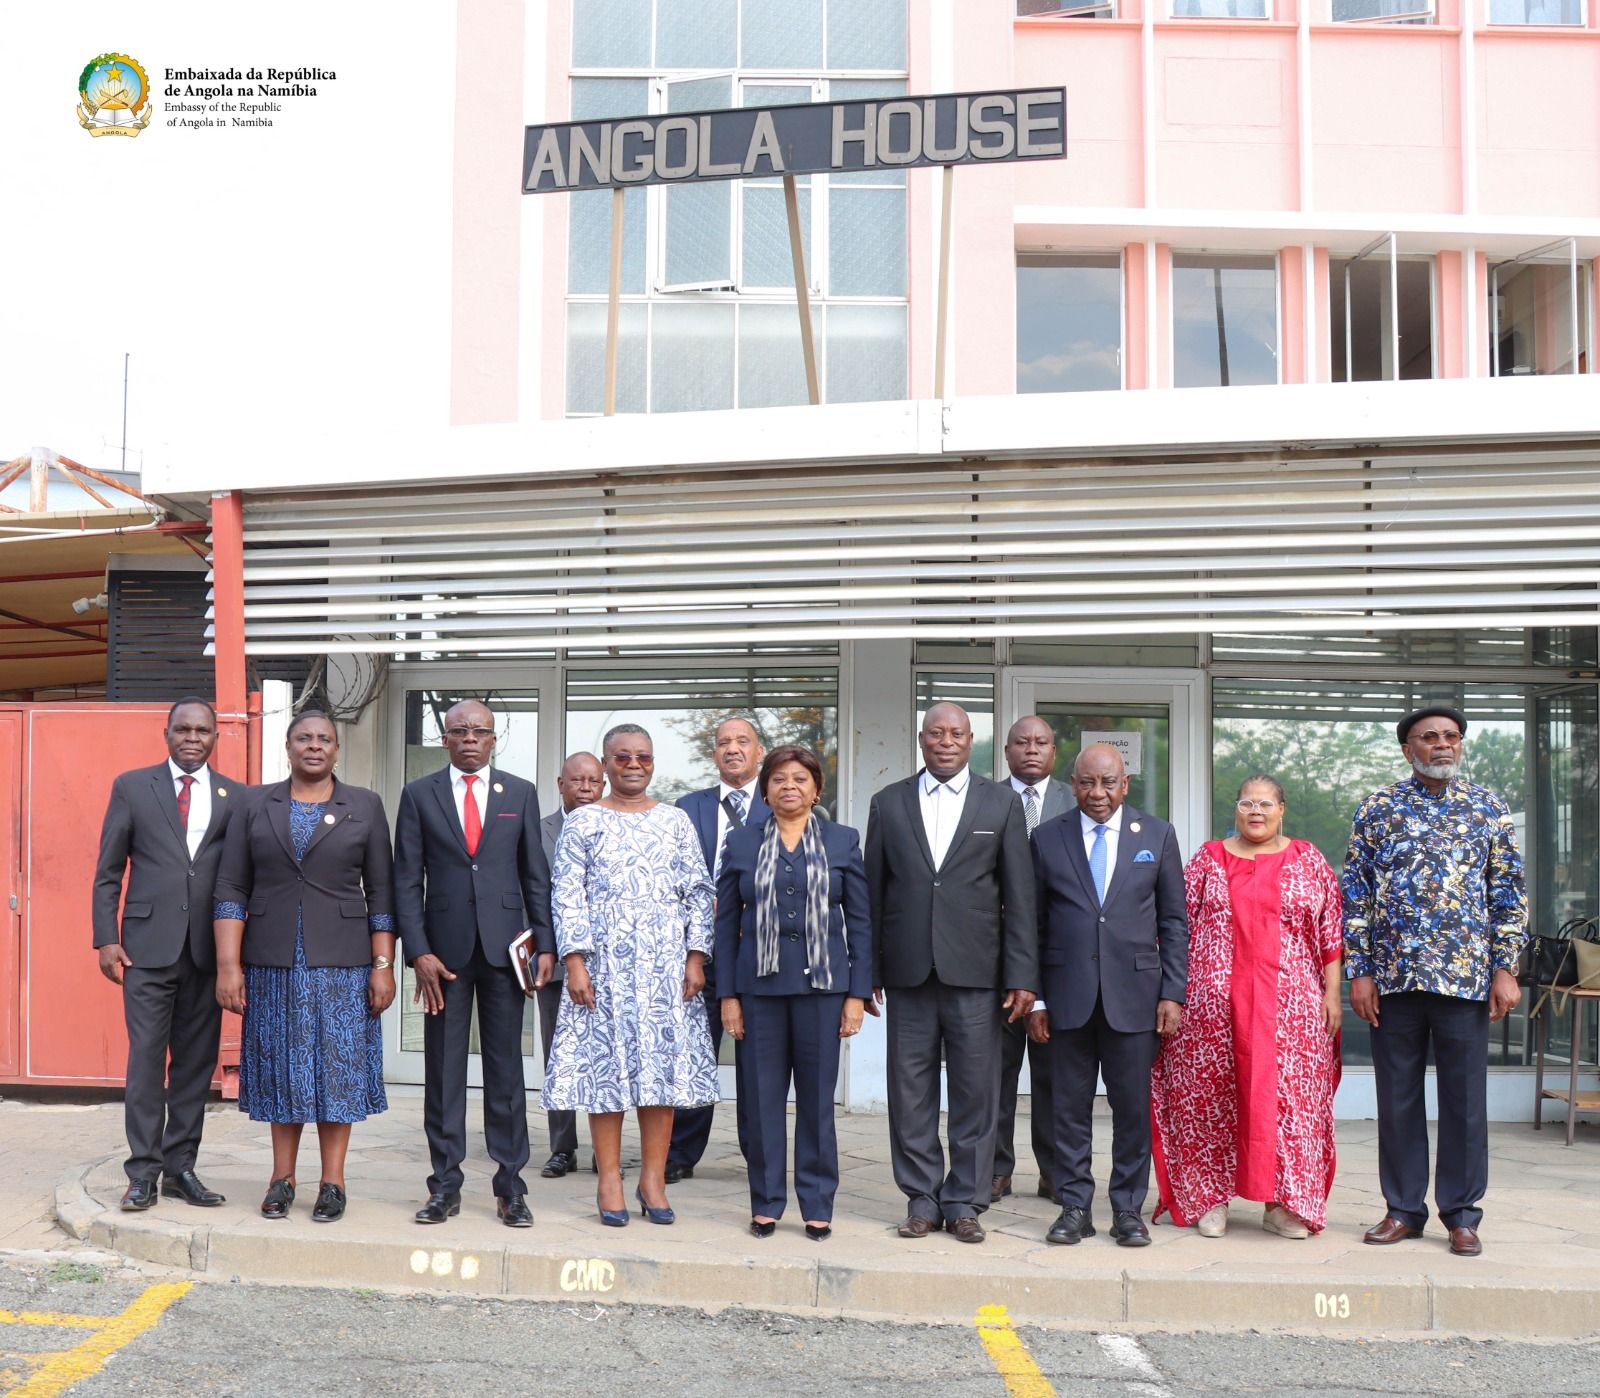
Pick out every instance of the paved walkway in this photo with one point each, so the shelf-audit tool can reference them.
(1539, 1275)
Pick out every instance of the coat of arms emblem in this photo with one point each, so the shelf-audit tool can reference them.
(113, 96)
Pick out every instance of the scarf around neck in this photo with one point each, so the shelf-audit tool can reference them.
(814, 864)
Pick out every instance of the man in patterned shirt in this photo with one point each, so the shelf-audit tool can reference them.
(1435, 919)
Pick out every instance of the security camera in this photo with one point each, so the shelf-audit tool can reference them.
(89, 604)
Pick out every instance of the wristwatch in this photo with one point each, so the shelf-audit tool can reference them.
(381, 963)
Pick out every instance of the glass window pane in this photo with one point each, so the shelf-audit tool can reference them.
(698, 227)
(1372, 318)
(1224, 320)
(696, 33)
(782, 34)
(1220, 9)
(772, 366)
(867, 242)
(1535, 11)
(767, 260)
(1346, 10)
(974, 691)
(866, 359)
(611, 33)
(1534, 318)
(867, 34)
(595, 99)
(589, 242)
(1069, 323)
(691, 357)
(586, 357)
(681, 709)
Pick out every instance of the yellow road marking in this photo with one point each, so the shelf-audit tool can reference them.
(1010, 1357)
(55, 1318)
(111, 1334)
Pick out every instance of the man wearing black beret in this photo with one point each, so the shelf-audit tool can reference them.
(1435, 918)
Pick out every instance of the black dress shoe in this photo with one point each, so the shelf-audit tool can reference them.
(138, 1196)
(330, 1204)
(819, 1233)
(1129, 1230)
(759, 1229)
(280, 1194)
(439, 1207)
(187, 1186)
(559, 1164)
(679, 1172)
(514, 1211)
(1073, 1226)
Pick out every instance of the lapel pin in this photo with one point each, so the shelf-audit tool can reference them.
(1134, 828)
(327, 820)
(499, 787)
(222, 791)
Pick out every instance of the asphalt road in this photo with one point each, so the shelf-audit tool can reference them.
(249, 1341)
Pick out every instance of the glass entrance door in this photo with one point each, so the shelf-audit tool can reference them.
(1147, 717)
(527, 721)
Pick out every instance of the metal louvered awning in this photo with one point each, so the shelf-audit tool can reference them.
(967, 551)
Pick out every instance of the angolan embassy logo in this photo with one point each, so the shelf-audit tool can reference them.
(113, 96)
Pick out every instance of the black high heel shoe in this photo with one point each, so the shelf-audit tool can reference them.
(654, 1215)
(818, 1234)
(763, 1230)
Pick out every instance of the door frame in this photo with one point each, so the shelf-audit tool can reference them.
(1186, 691)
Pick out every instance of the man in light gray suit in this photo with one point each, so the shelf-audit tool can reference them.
(581, 782)
(951, 887)
(1031, 757)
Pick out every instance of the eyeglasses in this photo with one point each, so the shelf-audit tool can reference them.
(1266, 807)
(459, 733)
(1434, 735)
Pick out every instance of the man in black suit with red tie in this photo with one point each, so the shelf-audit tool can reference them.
(470, 875)
(163, 829)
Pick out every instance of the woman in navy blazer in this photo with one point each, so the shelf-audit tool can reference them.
(794, 959)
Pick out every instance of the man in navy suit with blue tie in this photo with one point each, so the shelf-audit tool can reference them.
(734, 801)
(1114, 949)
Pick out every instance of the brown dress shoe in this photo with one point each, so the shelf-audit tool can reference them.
(966, 1230)
(999, 1187)
(1391, 1230)
(1464, 1242)
(916, 1226)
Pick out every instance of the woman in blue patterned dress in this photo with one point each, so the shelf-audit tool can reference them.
(305, 952)
(632, 903)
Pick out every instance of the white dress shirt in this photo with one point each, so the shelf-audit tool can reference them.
(199, 801)
(1113, 834)
(724, 791)
(480, 793)
(942, 804)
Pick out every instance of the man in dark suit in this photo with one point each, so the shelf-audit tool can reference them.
(581, 782)
(164, 828)
(470, 875)
(1114, 945)
(734, 801)
(1031, 757)
(951, 889)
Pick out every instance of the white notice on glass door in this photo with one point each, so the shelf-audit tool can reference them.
(1130, 745)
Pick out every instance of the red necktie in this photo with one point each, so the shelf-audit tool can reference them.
(471, 820)
(183, 801)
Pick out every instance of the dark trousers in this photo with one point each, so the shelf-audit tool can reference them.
(1124, 1061)
(791, 1038)
(169, 1010)
(691, 1127)
(445, 1037)
(1458, 1031)
(1014, 1044)
(563, 1125)
(964, 1024)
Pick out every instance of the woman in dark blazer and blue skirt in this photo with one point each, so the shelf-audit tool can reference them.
(794, 952)
(304, 922)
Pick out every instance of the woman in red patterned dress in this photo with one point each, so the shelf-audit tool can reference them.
(1242, 1095)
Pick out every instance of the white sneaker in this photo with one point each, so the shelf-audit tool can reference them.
(1213, 1222)
(1285, 1224)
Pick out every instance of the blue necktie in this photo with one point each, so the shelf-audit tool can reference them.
(1097, 863)
(738, 798)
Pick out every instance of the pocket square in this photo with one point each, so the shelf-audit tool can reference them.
(983, 832)
(507, 815)
(1145, 856)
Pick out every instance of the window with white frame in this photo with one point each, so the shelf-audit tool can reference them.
(709, 316)
(1380, 308)
(1539, 313)
(1066, 9)
(1221, 9)
(1383, 11)
(1224, 320)
(1069, 322)
(1536, 12)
